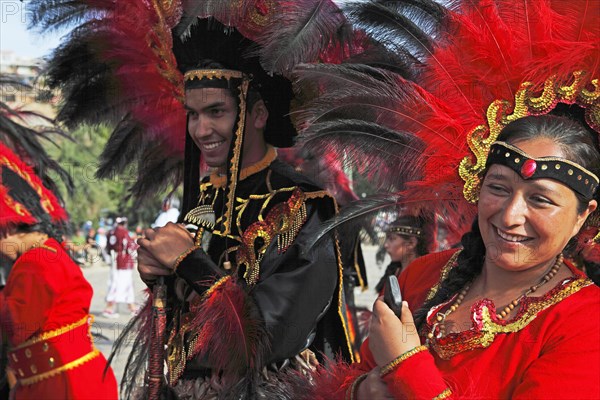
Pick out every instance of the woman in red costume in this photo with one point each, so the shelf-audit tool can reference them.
(44, 307)
(505, 108)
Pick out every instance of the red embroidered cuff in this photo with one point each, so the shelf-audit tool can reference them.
(406, 379)
(398, 360)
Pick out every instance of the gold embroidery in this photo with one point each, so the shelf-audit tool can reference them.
(212, 74)
(485, 335)
(88, 319)
(444, 395)
(444, 274)
(269, 157)
(400, 359)
(68, 366)
(284, 219)
(499, 114)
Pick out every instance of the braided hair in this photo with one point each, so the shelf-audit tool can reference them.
(578, 144)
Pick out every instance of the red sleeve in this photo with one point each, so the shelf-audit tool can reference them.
(417, 377)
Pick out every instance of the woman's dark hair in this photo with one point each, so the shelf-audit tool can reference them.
(578, 144)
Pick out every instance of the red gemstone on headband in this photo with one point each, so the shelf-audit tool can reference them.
(528, 169)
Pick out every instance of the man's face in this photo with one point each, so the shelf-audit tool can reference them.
(211, 119)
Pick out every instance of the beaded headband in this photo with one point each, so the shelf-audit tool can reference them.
(405, 230)
(567, 172)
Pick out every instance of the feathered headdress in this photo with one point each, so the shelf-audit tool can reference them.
(123, 63)
(464, 72)
(28, 194)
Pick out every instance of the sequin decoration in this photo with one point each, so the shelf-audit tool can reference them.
(486, 326)
(283, 221)
(526, 102)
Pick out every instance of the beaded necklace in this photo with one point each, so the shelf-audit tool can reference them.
(441, 316)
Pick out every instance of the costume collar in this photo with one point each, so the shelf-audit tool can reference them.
(221, 180)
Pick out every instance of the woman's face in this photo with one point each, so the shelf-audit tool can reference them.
(397, 246)
(527, 223)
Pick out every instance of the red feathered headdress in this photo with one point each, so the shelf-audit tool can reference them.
(424, 127)
(23, 197)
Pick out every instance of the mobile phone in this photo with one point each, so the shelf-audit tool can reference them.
(392, 295)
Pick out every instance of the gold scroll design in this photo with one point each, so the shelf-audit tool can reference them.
(159, 40)
(485, 336)
(284, 221)
(526, 103)
(18, 207)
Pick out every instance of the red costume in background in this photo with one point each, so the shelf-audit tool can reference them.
(546, 351)
(44, 309)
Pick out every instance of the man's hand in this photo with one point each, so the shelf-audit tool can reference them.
(161, 246)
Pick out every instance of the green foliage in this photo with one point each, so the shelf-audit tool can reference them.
(94, 198)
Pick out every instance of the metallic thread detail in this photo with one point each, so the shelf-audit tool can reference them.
(500, 113)
(214, 287)
(234, 166)
(18, 207)
(284, 220)
(88, 319)
(351, 392)
(202, 216)
(406, 230)
(212, 74)
(183, 255)
(488, 326)
(73, 364)
(451, 263)
(444, 395)
(398, 360)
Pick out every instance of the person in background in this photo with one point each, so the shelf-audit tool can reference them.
(169, 213)
(44, 307)
(120, 285)
(406, 238)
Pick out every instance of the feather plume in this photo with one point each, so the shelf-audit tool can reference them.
(136, 335)
(111, 71)
(231, 334)
(300, 32)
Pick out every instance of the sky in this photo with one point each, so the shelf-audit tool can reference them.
(14, 35)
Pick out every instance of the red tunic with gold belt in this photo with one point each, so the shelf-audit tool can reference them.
(549, 350)
(44, 309)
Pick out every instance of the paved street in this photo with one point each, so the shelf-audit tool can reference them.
(107, 330)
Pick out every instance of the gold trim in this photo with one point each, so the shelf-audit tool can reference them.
(443, 275)
(499, 114)
(268, 158)
(235, 160)
(444, 395)
(68, 366)
(212, 74)
(542, 159)
(54, 333)
(401, 358)
(214, 287)
(183, 255)
(485, 336)
(351, 392)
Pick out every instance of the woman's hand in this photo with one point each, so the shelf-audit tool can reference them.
(160, 247)
(373, 387)
(389, 337)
